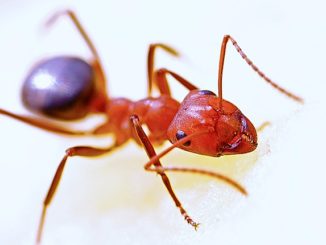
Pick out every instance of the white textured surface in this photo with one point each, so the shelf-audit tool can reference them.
(111, 200)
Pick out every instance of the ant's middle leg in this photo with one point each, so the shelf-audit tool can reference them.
(55, 128)
(82, 151)
(150, 64)
(151, 153)
(160, 77)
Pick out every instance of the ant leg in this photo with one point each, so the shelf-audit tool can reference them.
(99, 101)
(83, 151)
(97, 104)
(43, 124)
(158, 169)
(69, 13)
(97, 61)
(263, 126)
(209, 173)
(161, 80)
(158, 77)
(252, 65)
(151, 153)
(54, 128)
(150, 63)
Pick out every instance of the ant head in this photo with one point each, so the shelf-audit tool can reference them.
(216, 131)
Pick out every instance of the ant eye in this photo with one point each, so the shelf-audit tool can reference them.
(180, 135)
(206, 92)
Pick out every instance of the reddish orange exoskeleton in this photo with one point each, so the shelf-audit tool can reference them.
(203, 123)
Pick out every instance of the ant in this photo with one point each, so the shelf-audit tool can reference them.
(69, 88)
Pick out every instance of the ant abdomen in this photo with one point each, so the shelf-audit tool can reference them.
(60, 87)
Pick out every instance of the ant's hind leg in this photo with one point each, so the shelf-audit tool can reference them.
(72, 16)
(83, 151)
(96, 63)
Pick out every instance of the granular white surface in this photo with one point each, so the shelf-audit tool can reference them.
(112, 200)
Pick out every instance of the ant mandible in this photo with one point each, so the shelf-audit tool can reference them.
(203, 123)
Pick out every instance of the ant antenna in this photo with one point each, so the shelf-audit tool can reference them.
(219, 176)
(252, 65)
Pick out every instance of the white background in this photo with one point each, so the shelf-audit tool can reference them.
(111, 200)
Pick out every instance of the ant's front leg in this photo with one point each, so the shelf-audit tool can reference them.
(263, 126)
(216, 175)
(151, 153)
(158, 168)
(82, 151)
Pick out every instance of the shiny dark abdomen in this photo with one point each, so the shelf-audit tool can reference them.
(60, 87)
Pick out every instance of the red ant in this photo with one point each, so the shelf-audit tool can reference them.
(70, 88)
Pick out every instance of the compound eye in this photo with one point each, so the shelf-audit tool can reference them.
(180, 135)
